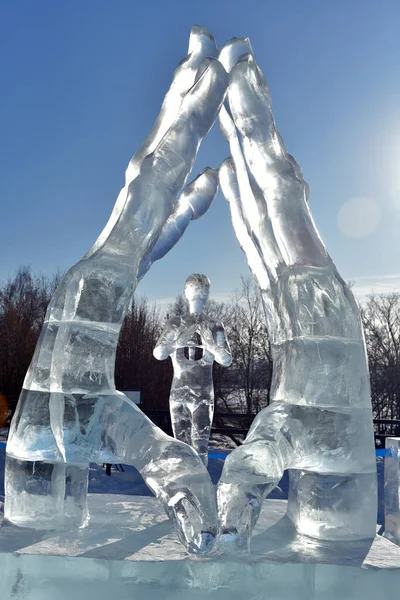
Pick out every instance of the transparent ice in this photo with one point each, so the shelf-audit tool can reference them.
(319, 424)
(69, 412)
(392, 489)
(193, 341)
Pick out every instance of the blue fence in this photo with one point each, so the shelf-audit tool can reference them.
(222, 455)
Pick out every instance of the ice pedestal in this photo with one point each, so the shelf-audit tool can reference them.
(332, 506)
(46, 495)
(392, 490)
(129, 551)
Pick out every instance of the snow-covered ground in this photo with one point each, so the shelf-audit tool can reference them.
(129, 481)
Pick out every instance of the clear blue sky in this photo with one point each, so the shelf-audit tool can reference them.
(82, 82)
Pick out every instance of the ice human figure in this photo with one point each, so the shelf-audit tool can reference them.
(69, 412)
(319, 423)
(193, 341)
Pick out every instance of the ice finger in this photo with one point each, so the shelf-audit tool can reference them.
(230, 189)
(275, 172)
(152, 195)
(192, 203)
(201, 45)
(250, 473)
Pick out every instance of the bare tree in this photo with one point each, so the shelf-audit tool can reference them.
(178, 307)
(381, 320)
(23, 303)
(136, 368)
(248, 336)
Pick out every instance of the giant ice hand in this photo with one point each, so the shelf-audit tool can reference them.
(319, 423)
(69, 412)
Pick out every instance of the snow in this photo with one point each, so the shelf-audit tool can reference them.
(130, 551)
(130, 482)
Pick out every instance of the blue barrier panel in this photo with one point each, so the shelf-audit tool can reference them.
(383, 452)
(222, 455)
(225, 454)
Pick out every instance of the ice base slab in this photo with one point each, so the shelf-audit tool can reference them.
(130, 551)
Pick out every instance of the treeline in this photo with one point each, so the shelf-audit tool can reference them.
(381, 320)
(244, 387)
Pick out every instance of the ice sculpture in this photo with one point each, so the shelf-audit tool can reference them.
(392, 489)
(193, 341)
(69, 412)
(319, 424)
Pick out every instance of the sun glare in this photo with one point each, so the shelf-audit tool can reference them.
(358, 217)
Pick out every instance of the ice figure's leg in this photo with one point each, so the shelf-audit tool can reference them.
(180, 418)
(200, 444)
(201, 427)
(191, 422)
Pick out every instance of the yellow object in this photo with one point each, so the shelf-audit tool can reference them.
(3, 410)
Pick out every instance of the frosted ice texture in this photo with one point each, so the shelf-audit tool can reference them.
(319, 423)
(392, 489)
(69, 412)
(193, 341)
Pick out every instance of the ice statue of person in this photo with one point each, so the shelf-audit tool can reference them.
(193, 341)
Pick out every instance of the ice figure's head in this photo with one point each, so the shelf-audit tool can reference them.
(197, 290)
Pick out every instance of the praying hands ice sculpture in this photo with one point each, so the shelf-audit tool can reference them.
(319, 424)
(193, 341)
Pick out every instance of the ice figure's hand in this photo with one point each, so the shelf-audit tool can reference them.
(185, 337)
(319, 423)
(69, 411)
(214, 341)
(207, 338)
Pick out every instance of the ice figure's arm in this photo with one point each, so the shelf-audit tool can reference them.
(215, 341)
(166, 343)
(176, 334)
(320, 386)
